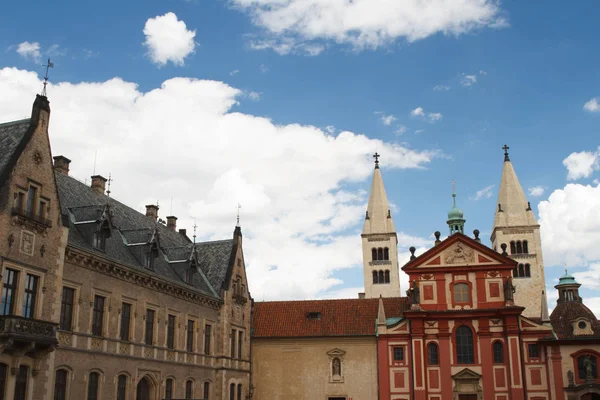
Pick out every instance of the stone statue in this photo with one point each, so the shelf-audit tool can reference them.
(509, 290)
(571, 378)
(588, 365)
(413, 293)
(336, 367)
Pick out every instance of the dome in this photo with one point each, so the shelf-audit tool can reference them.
(567, 279)
(455, 212)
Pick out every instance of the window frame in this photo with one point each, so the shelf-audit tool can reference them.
(30, 295)
(149, 326)
(11, 288)
(232, 340)
(189, 335)
(122, 395)
(169, 384)
(433, 357)
(400, 354)
(90, 394)
(22, 383)
(98, 314)
(498, 352)
(207, 338)
(206, 390)
(171, 331)
(465, 351)
(125, 322)
(65, 387)
(189, 389)
(63, 305)
(534, 354)
(467, 292)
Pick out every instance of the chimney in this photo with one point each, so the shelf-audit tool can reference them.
(98, 183)
(172, 223)
(152, 211)
(361, 295)
(61, 164)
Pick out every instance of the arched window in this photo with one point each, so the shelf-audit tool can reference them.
(387, 276)
(239, 392)
(189, 389)
(432, 354)
(513, 248)
(93, 383)
(386, 254)
(232, 391)
(206, 391)
(375, 280)
(498, 352)
(519, 247)
(569, 295)
(521, 271)
(515, 272)
(122, 387)
(585, 363)
(169, 389)
(464, 346)
(380, 253)
(374, 254)
(461, 293)
(60, 384)
(381, 277)
(527, 270)
(525, 247)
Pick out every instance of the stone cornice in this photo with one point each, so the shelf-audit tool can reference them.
(90, 261)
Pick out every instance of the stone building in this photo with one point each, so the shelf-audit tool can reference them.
(102, 302)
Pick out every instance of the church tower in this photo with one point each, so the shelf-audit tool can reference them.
(380, 243)
(517, 232)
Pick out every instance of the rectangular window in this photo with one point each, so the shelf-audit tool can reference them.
(98, 316)
(42, 210)
(66, 309)
(534, 350)
(206, 391)
(171, 332)
(232, 344)
(31, 195)
(31, 284)
(207, 335)
(93, 383)
(122, 388)
(149, 337)
(169, 389)
(60, 384)
(190, 336)
(398, 353)
(461, 293)
(125, 321)
(21, 383)
(8, 291)
(240, 341)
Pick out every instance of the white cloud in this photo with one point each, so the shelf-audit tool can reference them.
(593, 303)
(386, 119)
(419, 131)
(29, 50)
(482, 72)
(468, 80)
(430, 117)
(590, 276)
(570, 226)
(401, 130)
(234, 72)
(254, 96)
(168, 39)
(263, 69)
(592, 105)
(217, 157)
(484, 193)
(55, 51)
(582, 164)
(536, 191)
(441, 88)
(364, 24)
(284, 46)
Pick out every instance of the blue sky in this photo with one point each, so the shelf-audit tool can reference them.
(492, 73)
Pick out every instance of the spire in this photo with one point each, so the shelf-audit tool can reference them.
(455, 221)
(378, 218)
(381, 313)
(544, 311)
(512, 208)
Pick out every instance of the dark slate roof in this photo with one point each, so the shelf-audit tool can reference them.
(346, 317)
(13, 138)
(565, 313)
(131, 235)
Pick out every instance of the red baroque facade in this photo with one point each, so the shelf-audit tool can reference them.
(463, 337)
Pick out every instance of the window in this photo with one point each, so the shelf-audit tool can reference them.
(380, 253)
(232, 391)
(461, 293)
(66, 309)
(190, 336)
(432, 354)
(381, 277)
(98, 315)
(206, 391)
(240, 343)
(375, 280)
(239, 391)
(3, 371)
(522, 271)
(464, 346)
(60, 384)
(207, 335)
(584, 362)
(581, 324)
(31, 284)
(122, 387)
(534, 350)
(169, 389)
(232, 343)
(374, 254)
(8, 291)
(525, 247)
(125, 321)
(386, 254)
(189, 389)
(171, 332)
(31, 195)
(21, 383)
(19, 202)
(149, 260)
(398, 353)
(387, 276)
(519, 247)
(498, 352)
(149, 337)
(513, 248)
(100, 239)
(93, 383)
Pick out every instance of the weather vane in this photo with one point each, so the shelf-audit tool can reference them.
(49, 65)
(238, 214)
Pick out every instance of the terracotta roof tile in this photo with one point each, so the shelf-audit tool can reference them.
(347, 317)
(565, 313)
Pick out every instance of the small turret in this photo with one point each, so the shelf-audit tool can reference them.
(568, 289)
(455, 221)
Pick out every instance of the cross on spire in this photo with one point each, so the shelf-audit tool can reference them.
(376, 157)
(238, 214)
(505, 148)
(110, 179)
(49, 65)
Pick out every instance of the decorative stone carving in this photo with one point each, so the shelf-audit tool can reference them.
(458, 254)
(65, 339)
(27, 241)
(96, 343)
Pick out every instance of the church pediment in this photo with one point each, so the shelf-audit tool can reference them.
(336, 353)
(466, 374)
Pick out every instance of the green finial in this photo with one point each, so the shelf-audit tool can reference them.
(455, 221)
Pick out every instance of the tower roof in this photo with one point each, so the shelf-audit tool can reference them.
(567, 279)
(512, 208)
(378, 218)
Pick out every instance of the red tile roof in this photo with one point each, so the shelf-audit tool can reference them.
(565, 313)
(347, 317)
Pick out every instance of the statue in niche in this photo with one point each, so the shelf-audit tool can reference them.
(336, 368)
(413, 293)
(571, 377)
(509, 290)
(588, 365)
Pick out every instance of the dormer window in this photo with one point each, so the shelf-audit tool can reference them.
(149, 260)
(99, 241)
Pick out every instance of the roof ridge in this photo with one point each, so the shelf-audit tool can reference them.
(19, 121)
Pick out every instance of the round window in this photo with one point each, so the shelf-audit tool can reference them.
(582, 324)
